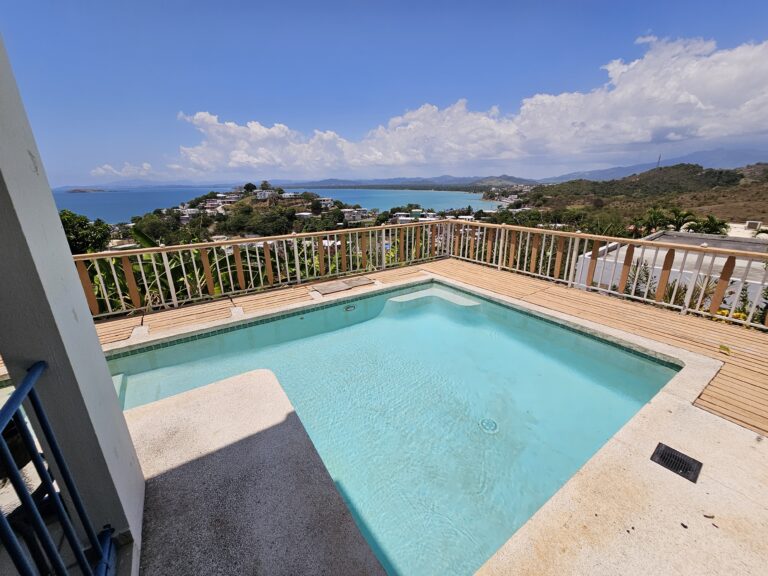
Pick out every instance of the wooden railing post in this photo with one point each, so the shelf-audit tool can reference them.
(512, 249)
(559, 256)
(130, 280)
(456, 240)
(490, 237)
(417, 249)
(626, 267)
(207, 272)
(401, 246)
(85, 280)
(268, 264)
(432, 240)
(666, 268)
(535, 246)
(364, 248)
(593, 263)
(722, 284)
(343, 248)
(321, 254)
(239, 267)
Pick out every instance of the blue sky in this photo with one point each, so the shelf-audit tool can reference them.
(193, 90)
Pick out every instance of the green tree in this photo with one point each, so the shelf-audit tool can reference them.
(84, 235)
(679, 218)
(265, 185)
(249, 187)
(655, 219)
(709, 225)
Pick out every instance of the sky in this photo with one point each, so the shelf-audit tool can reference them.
(224, 90)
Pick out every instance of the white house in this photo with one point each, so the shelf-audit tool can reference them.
(264, 194)
(685, 267)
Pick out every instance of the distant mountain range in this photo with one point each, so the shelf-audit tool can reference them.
(720, 158)
(706, 158)
(437, 181)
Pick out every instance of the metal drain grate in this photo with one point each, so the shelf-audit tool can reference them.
(678, 462)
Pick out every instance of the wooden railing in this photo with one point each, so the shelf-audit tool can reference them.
(723, 284)
(169, 276)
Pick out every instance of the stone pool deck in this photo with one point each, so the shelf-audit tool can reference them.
(235, 486)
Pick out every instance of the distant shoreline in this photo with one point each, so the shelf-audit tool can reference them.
(84, 190)
(422, 188)
(115, 206)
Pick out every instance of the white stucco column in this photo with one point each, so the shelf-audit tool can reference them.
(44, 316)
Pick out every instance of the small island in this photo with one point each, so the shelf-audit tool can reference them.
(84, 190)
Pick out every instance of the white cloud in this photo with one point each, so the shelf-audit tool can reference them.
(127, 171)
(680, 95)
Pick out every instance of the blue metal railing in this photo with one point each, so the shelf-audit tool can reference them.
(99, 558)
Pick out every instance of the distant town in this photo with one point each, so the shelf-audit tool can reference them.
(684, 198)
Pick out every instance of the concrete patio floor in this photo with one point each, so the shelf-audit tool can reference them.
(235, 486)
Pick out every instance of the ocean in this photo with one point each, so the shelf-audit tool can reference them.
(115, 205)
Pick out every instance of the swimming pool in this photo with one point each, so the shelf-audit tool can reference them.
(445, 419)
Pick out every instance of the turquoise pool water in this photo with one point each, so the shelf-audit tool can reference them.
(445, 420)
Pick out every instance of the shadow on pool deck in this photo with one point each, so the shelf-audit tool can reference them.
(258, 503)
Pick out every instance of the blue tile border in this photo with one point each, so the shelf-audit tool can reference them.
(341, 301)
(264, 320)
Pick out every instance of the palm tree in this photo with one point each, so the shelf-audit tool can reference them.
(709, 225)
(679, 218)
(655, 219)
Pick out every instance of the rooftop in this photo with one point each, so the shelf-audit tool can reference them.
(728, 242)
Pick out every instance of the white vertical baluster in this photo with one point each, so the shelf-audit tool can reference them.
(574, 261)
(757, 298)
(218, 268)
(171, 287)
(229, 267)
(143, 277)
(708, 278)
(117, 283)
(651, 274)
(692, 283)
(549, 258)
(157, 278)
(737, 292)
(287, 262)
(184, 274)
(640, 263)
(296, 259)
(103, 286)
(258, 264)
(568, 257)
(246, 247)
(679, 278)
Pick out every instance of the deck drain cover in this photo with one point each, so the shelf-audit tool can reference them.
(678, 462)
(489, 426)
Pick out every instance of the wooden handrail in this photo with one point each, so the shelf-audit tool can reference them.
(123, 280)
(744, 254)
(615, 239)
(240, 241)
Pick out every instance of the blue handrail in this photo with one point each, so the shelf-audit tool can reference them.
(102, 547)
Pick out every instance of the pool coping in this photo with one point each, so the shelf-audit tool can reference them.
(696, 372)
